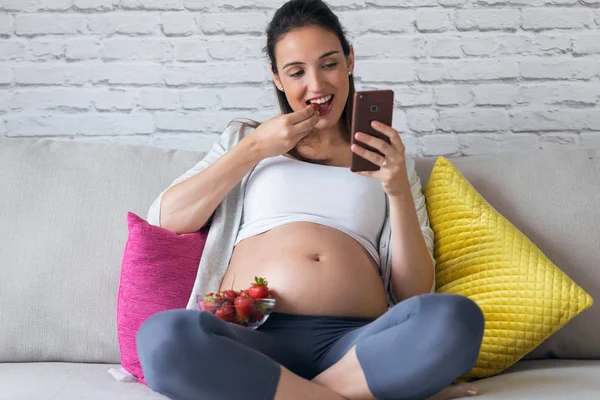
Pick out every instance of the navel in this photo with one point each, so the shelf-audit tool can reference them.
(315, 257)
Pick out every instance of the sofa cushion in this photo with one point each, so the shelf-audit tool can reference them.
(63, 208)
(551, 196)
(524, 297)
(68, 381)
(158, 272)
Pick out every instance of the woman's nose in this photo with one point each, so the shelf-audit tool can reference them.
(316, 82)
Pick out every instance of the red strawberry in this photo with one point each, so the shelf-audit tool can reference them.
(226, 312)
(208, 304)
(230, 295)
(238, 321)
(212, 302)
(243, 306)
(219, 300)
(257, 316)
(259, 289)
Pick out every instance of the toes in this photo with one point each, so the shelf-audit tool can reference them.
(465, 389)
(455, 391)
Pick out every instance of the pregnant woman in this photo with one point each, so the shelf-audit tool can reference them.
(348, 255)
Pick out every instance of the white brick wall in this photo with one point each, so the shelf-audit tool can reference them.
(470, 76)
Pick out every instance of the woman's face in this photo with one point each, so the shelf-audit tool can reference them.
(312, 68)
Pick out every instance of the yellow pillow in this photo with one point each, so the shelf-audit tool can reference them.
(524, 296)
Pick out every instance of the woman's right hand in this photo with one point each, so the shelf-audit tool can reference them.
(281, 133)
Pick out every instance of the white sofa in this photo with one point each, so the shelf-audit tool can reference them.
(63, 228)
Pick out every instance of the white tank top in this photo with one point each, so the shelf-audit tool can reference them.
(281, 190)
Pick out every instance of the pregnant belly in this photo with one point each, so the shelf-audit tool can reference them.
(312, 270)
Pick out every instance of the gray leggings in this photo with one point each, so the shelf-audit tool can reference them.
(414, 350)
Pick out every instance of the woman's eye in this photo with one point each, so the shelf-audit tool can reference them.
(297, 74)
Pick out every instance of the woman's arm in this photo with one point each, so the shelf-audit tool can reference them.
(411, 244)
(187, 206)
(413, 271)
(189, 202)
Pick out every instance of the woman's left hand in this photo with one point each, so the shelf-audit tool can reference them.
(392, 172)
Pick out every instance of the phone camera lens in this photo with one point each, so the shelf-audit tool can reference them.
(374, 108)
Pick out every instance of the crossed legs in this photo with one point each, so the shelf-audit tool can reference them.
(413, 351)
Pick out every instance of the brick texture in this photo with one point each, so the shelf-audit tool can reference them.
(469, 76)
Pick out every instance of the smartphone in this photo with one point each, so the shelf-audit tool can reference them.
(370, 105)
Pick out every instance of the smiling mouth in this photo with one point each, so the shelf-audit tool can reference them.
(325, 104)
(323, 108)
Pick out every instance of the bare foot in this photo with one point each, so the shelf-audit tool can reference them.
(455, 391)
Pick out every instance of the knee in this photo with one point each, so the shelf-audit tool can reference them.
(465, 322)
(461, 322)
(158, 339)
(162, 342)
(463, 316)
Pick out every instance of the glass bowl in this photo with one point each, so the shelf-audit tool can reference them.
(252, 313)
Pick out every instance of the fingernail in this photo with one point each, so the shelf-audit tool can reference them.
(472, 392)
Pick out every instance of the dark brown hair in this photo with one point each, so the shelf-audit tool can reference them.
(297, 14)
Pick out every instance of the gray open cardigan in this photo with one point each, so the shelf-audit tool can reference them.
(225, 223)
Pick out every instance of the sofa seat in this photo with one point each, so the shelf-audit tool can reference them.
(527, 380)
(544, 379)
(67, 381)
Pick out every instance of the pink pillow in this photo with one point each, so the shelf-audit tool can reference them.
(157, 273)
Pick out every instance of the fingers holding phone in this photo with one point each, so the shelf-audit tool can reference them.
(383, 148)
(372, 149)
(369, 106)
